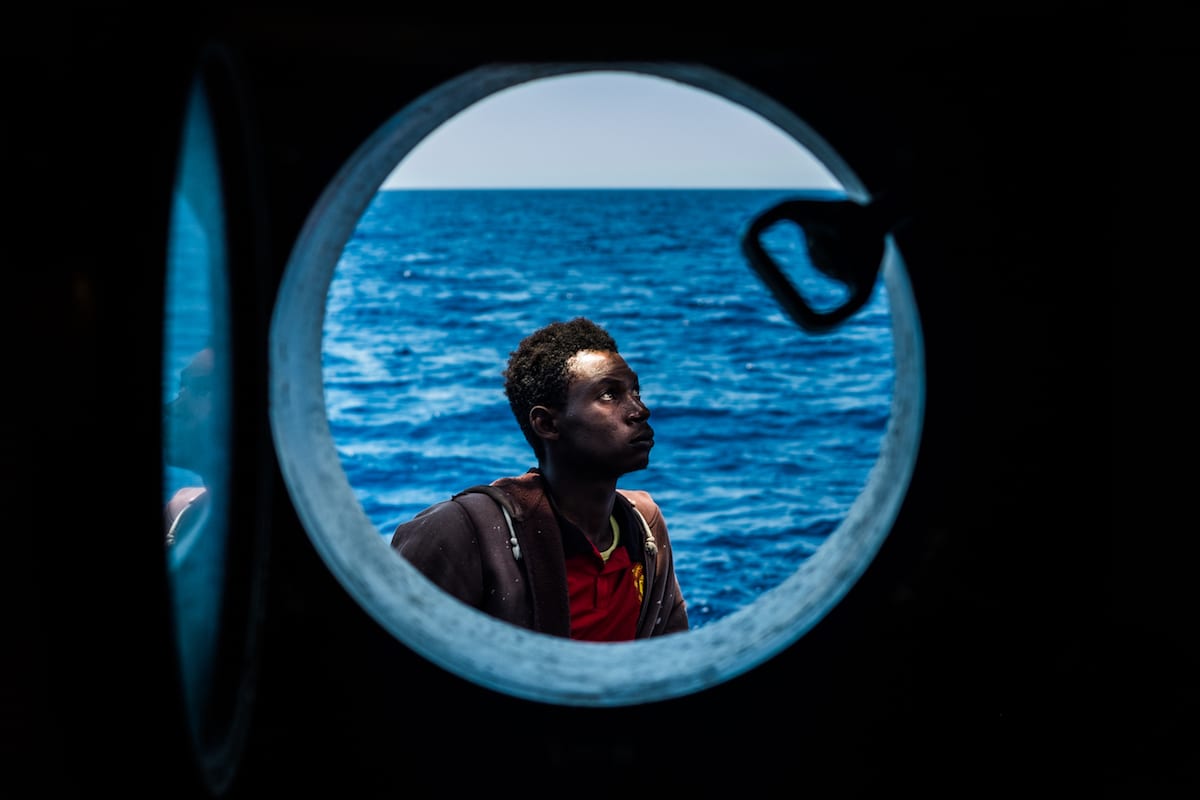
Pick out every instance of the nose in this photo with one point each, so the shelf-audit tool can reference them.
(639, 411)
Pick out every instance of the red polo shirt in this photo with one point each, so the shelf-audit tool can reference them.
(605, 596)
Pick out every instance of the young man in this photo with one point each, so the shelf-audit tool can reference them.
(560, 549)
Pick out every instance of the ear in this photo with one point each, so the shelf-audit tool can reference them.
(544, 422)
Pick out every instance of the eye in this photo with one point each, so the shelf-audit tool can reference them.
(607, 394)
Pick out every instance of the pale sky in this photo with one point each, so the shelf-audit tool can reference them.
(608, 129)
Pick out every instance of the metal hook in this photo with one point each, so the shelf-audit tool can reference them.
(845, 242)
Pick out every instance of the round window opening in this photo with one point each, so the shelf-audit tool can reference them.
(371, 430)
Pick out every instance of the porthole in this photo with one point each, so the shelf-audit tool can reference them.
(214, 531)
(512, 660)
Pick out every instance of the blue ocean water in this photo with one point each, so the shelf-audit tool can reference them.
(765, 434)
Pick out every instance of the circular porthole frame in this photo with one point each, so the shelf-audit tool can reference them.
(513, 660)
(220, 730)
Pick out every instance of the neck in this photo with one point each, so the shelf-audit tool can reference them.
(587, 503)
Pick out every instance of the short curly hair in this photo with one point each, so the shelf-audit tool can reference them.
(537, 370)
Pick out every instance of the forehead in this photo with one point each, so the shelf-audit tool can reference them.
(596, 365)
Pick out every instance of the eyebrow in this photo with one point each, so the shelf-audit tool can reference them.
(608, 379)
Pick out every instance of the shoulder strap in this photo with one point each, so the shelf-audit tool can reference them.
(488, 511)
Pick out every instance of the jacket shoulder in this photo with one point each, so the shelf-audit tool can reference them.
(483, 507)
(644, 503)
(445, 520)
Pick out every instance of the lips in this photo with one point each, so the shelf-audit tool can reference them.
(646, 437)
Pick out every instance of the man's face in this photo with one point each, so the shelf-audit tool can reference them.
(603, 428)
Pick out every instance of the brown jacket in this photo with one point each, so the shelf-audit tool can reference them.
(465, 546)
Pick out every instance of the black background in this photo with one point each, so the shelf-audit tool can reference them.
(1016, 630)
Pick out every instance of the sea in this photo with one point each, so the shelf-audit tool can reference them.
(765, 433)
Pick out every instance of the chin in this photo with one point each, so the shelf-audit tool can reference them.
(640, 464)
